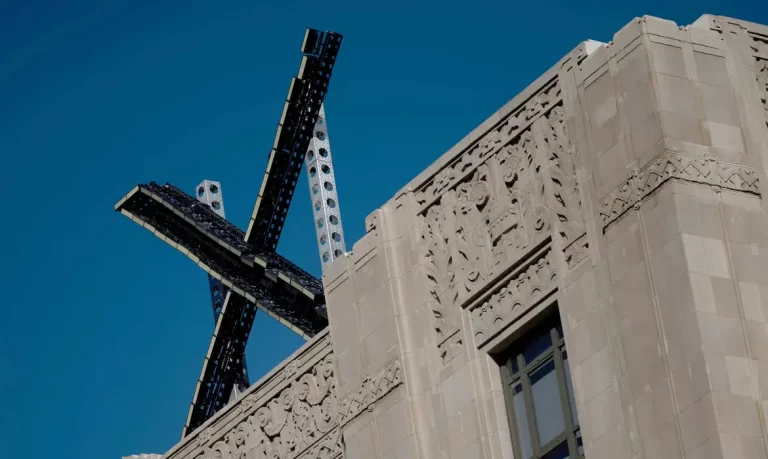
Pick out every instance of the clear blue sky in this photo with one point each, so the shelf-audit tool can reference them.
(103, 327)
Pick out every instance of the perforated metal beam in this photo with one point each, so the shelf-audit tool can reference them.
(210, 193)
(322, 190)
(305, 96)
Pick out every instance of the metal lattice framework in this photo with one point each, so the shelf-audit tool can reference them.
(305, 97)
(322, 189)
(210, 193)
(246, 264)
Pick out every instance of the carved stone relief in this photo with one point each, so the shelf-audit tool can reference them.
(562, 171)
(762, 83)
(298, 422)
(523, 219)
(512, 298)
(518, 121)
(370, 391)
(759, 44)
(674, 165)
(488, 211)
(759, 47)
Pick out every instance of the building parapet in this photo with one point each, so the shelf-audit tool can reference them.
(289, 413)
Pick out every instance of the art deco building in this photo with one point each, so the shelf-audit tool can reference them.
(584, 274)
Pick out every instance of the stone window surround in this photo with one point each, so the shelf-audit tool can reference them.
(548, 320)
(495, 355)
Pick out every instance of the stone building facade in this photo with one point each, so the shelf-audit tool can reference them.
(585, 273)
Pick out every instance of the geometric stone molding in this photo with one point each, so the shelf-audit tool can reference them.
(524, 289)
(675, 165)
(373, 389)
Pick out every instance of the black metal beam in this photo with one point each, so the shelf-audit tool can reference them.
(305, 96)
(225, 356)
(246, 263)
(218, 295)
(267, 280)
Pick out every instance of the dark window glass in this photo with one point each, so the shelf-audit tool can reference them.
(540, 394)
(538, 346)
(559, 452)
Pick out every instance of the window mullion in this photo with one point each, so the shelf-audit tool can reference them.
(564, 402)
(510, 381)
(545, 449)
(539, 361)
(533, 430)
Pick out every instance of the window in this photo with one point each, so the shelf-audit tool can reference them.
(540, 400)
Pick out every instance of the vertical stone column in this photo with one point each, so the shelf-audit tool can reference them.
(659, 323)
(601, 134)
(374, 412)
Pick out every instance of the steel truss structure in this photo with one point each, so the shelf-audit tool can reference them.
(246, 263)
(300, 113)
(210, 193)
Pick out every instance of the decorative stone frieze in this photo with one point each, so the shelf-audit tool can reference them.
(675, 165)
(488, 209)
(373, 389)
(759, 47)
(759, 44)
(289, 414)
(762, 83)
(560, 158)
(493, 141)
(510, 299)
(286, 425)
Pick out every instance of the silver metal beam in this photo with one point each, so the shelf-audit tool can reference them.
(322, 190)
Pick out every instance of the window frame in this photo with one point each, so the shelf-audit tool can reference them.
(554, 353)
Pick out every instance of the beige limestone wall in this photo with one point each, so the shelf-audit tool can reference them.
(622, 185)
(673, 167)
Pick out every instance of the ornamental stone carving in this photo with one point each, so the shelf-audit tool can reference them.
(513, 297)
(488, 210)
(675, 165)
(565, 187)
(297, 422)
(204, 437)
(372, 389)
(759, 44)
(522, 219)
(762, 83)
(490, 143)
